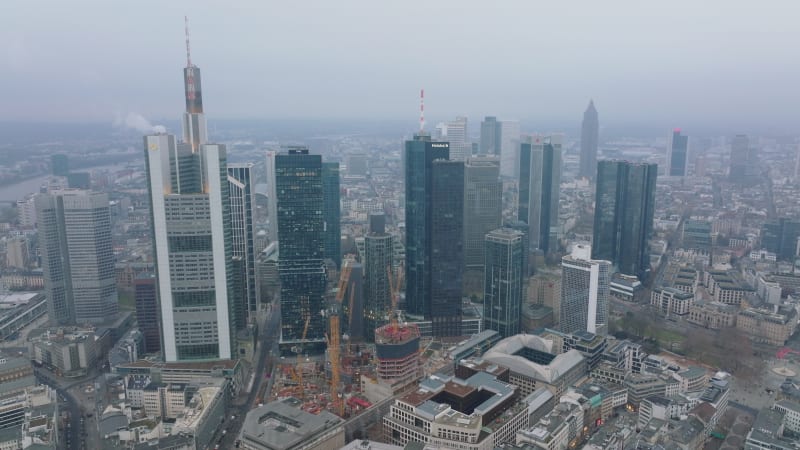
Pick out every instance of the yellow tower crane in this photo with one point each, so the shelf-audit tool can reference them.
(334, 345)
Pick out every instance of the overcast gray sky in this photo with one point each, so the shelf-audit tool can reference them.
(677, 62)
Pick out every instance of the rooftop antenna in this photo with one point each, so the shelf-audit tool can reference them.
(421, 109)
(188, 51)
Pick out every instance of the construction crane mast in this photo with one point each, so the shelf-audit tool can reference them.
(334, 345)
(395, 282)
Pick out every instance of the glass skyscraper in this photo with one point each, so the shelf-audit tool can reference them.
(301, 226)
(623, 215)
(77, 256)
(482, 207)
(540, 187)
(419, 156)
(447, 247)
(504, 277)
(590, 133)
(378, 257)
(242, 199)
(332, 212)
(677, 154)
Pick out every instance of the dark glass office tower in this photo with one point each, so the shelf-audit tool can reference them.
(677, 152)
(503, 280)
(447, 247)
(623, 216)
(332, 212)
(590, 132)
(490, 136)
(378, 256)
(301, 225)
(780, 237)
(540, 174)
(59, 165)
(419, 156)
(242, 200)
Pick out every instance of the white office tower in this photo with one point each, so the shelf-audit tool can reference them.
(272, 197)
(509, 148)
(584, 292)
(192, 240)
(460, 149)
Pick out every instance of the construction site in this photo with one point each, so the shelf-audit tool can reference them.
(355, 373)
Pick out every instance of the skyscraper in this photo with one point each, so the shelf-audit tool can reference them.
(504, 278)
(508, 139)
(77, 256)
(242, 199)
(623, 215)
(191, 223)
(482, 207)
(744, 161)
(447, 247)
(301, 226)
(585, 285)
(419, 156)
(590, 132)
(378, 257)
(272, 197)
(59, 164)
(332, 212)
(490, 144)
(189, 191)
(460, 149)
(677, 154)
(540, 187)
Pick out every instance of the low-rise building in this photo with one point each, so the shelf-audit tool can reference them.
(473, 414)
(282, 425)
(773, 327)
(184, 372)
(791, 414)
(671, 301)
(69, 352)
(713, 315)
(535, 362)
(559, 430)
(726, 287)
(768, 432)
(29, 419)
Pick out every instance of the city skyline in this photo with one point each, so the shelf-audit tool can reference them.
(113, 82)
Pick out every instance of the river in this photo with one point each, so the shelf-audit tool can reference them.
(17, 191)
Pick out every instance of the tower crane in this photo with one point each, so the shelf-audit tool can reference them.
(394, 286)
(334, 346)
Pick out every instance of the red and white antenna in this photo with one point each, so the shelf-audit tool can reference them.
(421, 110)
(188, 51)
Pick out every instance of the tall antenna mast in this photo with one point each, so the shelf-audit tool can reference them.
(421, 110)
(188, 50)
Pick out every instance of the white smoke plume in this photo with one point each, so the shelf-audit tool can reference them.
(138, 122)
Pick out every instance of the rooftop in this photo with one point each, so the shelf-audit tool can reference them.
(505, 354)
(281, 425)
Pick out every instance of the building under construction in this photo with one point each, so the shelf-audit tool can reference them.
(398, 356)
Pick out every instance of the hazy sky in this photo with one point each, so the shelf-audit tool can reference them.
(676, 62)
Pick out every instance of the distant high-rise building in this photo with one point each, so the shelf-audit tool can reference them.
(677, 154)
(77, 256)
(797, 163)
(504, 278)
(419, 156)
(744, 161)
(357, 165)
(59, 165)
(447, 247)
(780, 237)
(272, 198)
(490, 136)
(146, 297)
(301, 228)
(189, 197)
(623, 215)
(509, 148)
(539, 190)
(242, 200)
(332, 212)
(460, 149)
(482, 207)
(590, 135)
(79, 180)
(378, 257)
(585, 288)
(696, 234)
(17, 252)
